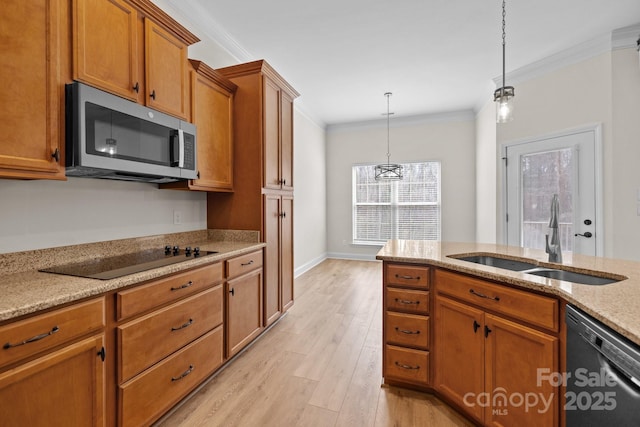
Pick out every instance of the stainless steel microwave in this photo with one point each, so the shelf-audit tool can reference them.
(114, 138)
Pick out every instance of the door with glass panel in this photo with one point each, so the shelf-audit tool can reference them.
(565, 165)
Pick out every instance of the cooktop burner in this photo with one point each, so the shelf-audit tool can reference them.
(121, 265)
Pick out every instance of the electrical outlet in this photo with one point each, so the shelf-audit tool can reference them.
(177, 217)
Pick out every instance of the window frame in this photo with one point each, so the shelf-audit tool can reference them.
(394, 204)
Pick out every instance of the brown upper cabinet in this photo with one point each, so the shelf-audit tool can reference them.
(268, 103)
(212, 98)
(32, 106)
(134, 50)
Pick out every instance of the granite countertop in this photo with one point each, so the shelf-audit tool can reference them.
(617, 304)
(25, 290)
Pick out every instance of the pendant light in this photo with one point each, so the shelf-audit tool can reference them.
(388, 171)
(503, 97)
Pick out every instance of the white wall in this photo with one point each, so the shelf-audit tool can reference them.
(44, 214)
(310, 194)
(624, 229)
(486, 174)
(448, 139)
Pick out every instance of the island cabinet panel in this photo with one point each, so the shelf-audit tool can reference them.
(459, 354)
(488, 365)
(406, 325)
(146, 397)
(535, 309)
(32, 35)
(63, 388)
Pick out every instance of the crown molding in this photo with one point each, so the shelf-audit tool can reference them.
(621, 38)
(206, 24)
(404, 121)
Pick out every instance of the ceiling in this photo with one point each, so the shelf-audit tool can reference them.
(435, 56)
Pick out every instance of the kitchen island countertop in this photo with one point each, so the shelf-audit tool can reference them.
(617, 304)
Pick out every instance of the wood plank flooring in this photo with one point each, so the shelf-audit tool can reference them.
(320, 365)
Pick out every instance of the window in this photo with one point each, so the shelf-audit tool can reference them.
(405, 209)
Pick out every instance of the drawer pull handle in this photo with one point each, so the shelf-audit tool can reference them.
(186, 285)
(404, 301)
(182, 375)
(478, 294)
(404, 331)
(182, 326)
(32, 339)
(400, 276)
(247, 263)
(403, 366)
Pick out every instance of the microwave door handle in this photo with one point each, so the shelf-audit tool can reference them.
(180, 148)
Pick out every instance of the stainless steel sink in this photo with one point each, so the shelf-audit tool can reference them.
(523, 266)
(507, 264)
(571, 276)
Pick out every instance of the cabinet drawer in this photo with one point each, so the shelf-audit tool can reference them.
(408, 300)
(407, 329)
(407, 275)
(243, 264)
(529, 307)
(147, 340)
(27, 337)
(146, 397)
(405, 364)
(146, 297)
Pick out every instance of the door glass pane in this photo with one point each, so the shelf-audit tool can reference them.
(543, 175)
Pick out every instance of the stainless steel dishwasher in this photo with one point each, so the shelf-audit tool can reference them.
(603, 374)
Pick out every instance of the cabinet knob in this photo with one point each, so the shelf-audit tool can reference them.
(153, 94)
(56, 155)
(232, 291)
(136, 88)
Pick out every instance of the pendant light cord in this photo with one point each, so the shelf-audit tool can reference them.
(504, 37)
(388, 94)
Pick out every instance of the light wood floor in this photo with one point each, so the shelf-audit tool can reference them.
(321, 365)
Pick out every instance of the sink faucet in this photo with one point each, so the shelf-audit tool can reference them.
(553, 249)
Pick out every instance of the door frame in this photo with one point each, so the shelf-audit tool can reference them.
(596, 128)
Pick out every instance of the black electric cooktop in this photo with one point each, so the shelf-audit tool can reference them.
(122, 265)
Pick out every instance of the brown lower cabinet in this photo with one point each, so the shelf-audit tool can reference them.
(480, 345)
(52, 369)
(127, 357)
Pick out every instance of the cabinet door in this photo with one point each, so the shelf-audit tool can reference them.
(64, 388)
(286, 141)
(272, 290)
(514, 355)
(286, 252)
(31, 93)
(212, 113)
(271, 117)
(459, 353)
(105, 44)
(244, 310)
(166, 71)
